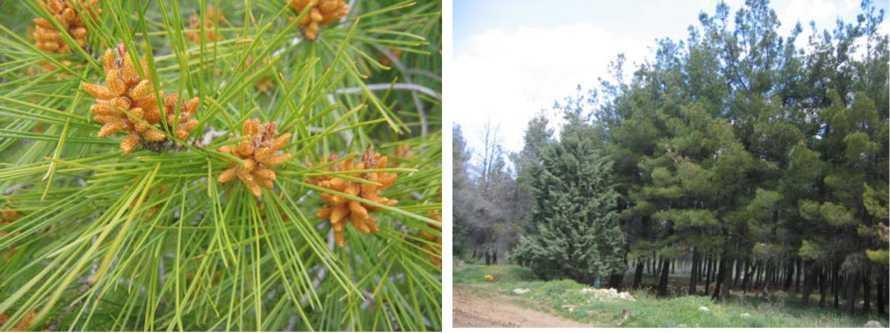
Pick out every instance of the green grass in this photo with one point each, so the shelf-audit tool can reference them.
(559, 296)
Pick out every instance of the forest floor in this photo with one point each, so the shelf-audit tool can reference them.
(479, 303)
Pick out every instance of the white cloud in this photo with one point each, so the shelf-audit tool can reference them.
(823, 12)
(508, 75)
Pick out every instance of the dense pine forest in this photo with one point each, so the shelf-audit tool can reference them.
(737, 161)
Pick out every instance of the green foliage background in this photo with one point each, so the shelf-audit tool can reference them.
(150, 240)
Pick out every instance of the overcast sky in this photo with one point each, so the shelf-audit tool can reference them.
(514, 58)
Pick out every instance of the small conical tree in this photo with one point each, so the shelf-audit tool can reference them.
(577, 227)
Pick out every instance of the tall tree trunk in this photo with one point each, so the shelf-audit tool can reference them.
(721, 289)
(823, 277)
(835, 283)
(807, 282)
(638, 274)
(652, 265)
(736, 268)
(767, 269)
(882, 291)
(852, 283)
(720, 265)
(758, 280)
(692, 276)
(709, 264)
(746, 278)
(866, 291)
(789, 276)
(753, 279)
(663, 280)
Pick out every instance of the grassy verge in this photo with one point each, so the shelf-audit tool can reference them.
(564, 298)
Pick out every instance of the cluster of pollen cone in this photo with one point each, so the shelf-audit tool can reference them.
(321, 12)
(340, 210)
(434, 242)
(127, 103)
(260, 152)
(8, 216)
(23, 325)
(212, 18)
(49, 38)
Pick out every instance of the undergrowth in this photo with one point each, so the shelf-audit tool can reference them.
(564, 297)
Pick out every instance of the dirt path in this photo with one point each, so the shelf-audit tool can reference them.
(471, 310)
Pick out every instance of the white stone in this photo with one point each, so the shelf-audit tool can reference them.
(607, 294)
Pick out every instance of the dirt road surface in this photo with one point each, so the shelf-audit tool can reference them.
(471, 310)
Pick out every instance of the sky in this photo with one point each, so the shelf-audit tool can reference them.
(514, 58)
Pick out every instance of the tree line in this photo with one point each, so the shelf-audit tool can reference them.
(745, 159)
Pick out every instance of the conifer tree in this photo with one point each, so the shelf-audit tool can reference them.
(577, 232)
(528, 165)
(794, 195)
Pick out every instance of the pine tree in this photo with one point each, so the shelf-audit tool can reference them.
(770, 158)
(577, 227)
